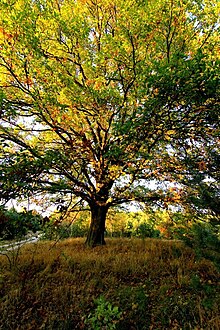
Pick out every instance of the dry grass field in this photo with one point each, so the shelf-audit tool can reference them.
(156, 284)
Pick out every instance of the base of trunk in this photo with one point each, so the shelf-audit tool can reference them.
(97, 227)
(94, 241)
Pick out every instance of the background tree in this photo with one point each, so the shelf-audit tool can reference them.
(99, 98)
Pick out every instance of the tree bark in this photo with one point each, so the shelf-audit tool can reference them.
(97, 226)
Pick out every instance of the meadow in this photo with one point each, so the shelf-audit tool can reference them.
(127, 284)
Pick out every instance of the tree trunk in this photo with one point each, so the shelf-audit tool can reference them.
(97, 226)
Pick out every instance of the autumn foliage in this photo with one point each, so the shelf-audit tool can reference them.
(101, 98)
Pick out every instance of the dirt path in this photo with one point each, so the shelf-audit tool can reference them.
(17, 244)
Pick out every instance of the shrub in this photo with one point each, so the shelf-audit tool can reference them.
(78, 230)
(147, 230)
(105, 316)
(3, 222)
(15, 224)
(52, 231)
(202, 235)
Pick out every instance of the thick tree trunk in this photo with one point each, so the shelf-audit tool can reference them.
(97, 226)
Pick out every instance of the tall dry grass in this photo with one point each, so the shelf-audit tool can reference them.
(156, 284)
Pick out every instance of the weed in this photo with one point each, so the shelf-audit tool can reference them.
(105, 316)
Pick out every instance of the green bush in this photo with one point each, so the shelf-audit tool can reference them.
(53, 231)
(147, 230)
(204, 239)
(3, 221)
(15, 224)
(105, 316)
(78, 230)
(202, 235)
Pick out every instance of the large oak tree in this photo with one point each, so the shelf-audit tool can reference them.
(100, 97)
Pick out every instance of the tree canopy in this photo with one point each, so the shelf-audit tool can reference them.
(101, 98)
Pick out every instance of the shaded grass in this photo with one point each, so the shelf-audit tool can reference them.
(157, 284)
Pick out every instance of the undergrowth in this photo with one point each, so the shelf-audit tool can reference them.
(127, 284)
